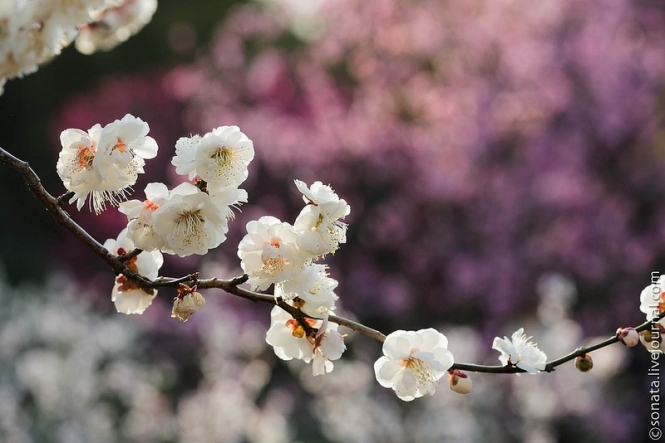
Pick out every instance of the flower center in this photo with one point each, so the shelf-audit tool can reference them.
(273, 265)
(189, 223)
(84, 158)
(223, 156)
(421, 370)
(120, 145)
(319, 221)
(296, 328)
(150, 205)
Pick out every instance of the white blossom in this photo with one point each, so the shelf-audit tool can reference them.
(313, 289)
(318, 224)
(328, 346)
(111, 26)
(219, 157)
(127, 296)
(139, 214)
(33, 32)
(652, 300)
(287, 337)
(104, 162)
(227, 199)
(123, 146)
(189, 222)
(269, 253)
(413, 362)
(521, 352)
(290, 340)
(75, 168)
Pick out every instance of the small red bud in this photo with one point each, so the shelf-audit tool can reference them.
(628, 336)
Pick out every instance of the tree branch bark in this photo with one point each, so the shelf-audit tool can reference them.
(117, 263)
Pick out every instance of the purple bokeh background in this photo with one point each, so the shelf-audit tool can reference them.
(480, 145)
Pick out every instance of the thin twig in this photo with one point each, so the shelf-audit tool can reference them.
(52, 205)
(117, 263)
(129, 255)
(550, 366)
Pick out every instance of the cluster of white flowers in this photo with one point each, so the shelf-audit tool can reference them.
(277, 253)
(32, 32)
(111, 26)
(193, 217)
(104, 162)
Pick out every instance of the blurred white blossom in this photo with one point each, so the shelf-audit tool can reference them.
(520, 351)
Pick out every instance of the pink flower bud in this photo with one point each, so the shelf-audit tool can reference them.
(185, 307)
(584, 363)
(628, 336)
(459, 381)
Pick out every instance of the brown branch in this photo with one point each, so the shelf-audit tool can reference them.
(54, 207)
(549, 367)
(129, 255)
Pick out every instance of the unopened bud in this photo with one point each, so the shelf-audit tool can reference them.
(584, 363)
(628, 336)
(186, 306)
(459, 381)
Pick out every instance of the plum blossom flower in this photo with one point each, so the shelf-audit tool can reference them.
(33, 32)
(142, 216)
(123, 146)
(127, 296)
(269, 253)
(219, 157)
(312, 288)
(288, 337)
(318, 224)
(189, 222)
(519, 351)
(75, 168)
(317, 342)
(111, 26)
(139, 214)
(413, 362)
(652, 300)
(328, 346)
(228, 198)
(104, 162)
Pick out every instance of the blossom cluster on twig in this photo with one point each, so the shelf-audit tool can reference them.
(33, 32)
(100, 165)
